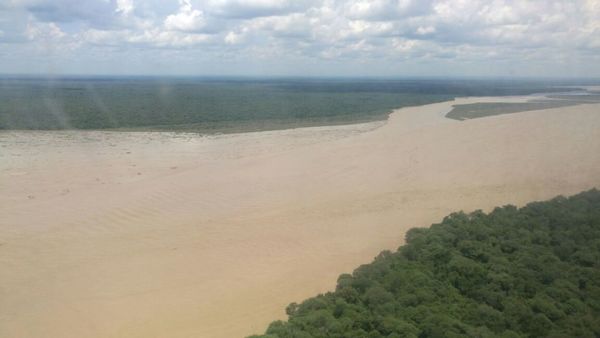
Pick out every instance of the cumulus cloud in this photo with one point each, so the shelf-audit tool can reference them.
(425, 30)
(46, 31)
(246, 9)
(233, 38)
(187, 19)
(314, 33)
(382, 10)
(124, 6)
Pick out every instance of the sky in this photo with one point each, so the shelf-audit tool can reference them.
(525, 38)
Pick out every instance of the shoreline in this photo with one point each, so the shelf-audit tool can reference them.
(283, 126)
(214, 236)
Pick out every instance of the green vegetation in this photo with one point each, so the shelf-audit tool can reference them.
(529, 272)
(224, 105)
(476, 110)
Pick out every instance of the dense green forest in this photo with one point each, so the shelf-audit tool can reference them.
(226, 105)
(482, 109)
(528, 272)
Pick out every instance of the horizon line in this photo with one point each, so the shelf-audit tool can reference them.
(278, 76)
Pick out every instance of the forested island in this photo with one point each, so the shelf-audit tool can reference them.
(515, 272)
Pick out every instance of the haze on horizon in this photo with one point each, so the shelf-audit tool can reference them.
(302, 37)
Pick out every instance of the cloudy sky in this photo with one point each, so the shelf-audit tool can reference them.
(301, 37)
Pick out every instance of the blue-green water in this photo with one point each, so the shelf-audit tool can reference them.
(227, 104)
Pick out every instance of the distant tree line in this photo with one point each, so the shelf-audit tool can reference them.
(529, 272)
(225, 105)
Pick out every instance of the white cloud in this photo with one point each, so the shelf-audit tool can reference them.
(246, 9)
(124, 6)
(424, 30)
(187, 19)
(232, 38)
(44, 31)
(165, 39)
(521, 33)
(404, 45)
(386, 9)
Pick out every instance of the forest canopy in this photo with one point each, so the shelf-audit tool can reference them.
(528, 272)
